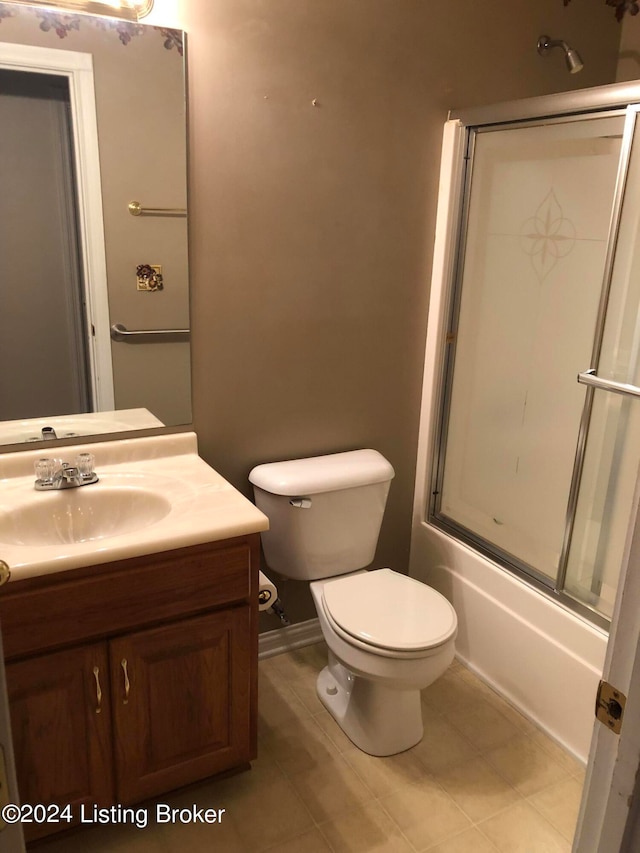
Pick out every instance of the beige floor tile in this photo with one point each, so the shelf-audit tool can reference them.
(425, 813)
(580, 774)
(512, 714)
(560, 804)
(521, 829)
(303, 663)
(451, 694)
(469, 841)
(333, 731)
(268, 815)
(269, 667)
(212, 792)
(365, 829)
(220, 793)
(526, 765)
(477, 789)
(309, 842)
(470, 677)
(306, 692)
(178, 837)
(498, 702)
(384, 775)
(300, 745)
(564, 758)
(443, 746)
(277, 704)
(330, 788)
(485, 726)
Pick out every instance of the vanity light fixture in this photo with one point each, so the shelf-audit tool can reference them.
(128, 10)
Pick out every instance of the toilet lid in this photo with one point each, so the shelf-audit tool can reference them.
(390, 610)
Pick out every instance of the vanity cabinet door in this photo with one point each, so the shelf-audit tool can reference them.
(61, 726)
(181, 702)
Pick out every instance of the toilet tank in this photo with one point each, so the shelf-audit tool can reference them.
(324, 512)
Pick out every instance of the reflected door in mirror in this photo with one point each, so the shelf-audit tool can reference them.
(42, 320)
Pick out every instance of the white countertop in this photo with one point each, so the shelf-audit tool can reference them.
(204, 506)
(81, 425)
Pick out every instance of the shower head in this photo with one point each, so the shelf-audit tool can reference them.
(572, 57)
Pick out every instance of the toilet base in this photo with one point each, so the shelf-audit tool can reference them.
(378, 719)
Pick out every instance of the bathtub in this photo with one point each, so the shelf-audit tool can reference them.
(542, 658)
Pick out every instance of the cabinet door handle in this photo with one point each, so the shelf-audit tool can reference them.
(127, 685)
(96, 675)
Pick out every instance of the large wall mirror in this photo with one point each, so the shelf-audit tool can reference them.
(94, 297)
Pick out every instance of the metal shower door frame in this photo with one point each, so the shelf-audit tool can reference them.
(603, 101)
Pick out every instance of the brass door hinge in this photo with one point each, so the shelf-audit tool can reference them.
(610, 706)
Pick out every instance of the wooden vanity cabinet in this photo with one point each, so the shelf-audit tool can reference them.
(129, 680)
(62, 746)
(180, 702)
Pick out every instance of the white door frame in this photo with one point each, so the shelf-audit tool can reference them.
(78, 69)
(614, 760)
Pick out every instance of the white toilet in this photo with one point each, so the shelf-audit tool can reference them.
(388, 635)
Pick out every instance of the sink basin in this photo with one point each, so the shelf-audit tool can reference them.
(154, 494)
(81, 515)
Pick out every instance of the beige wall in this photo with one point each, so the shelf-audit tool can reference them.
(312, 226)
(629, 57)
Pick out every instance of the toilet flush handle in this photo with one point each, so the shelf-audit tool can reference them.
(301, 503)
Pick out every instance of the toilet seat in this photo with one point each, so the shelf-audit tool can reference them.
(388, 613)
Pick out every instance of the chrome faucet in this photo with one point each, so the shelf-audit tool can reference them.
(54, 474)
(48, 433)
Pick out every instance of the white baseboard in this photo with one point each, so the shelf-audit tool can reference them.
(286, 639)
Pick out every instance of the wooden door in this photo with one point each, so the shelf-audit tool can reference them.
(181, 702)
(60, 720)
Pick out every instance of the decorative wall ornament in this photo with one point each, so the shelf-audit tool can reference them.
(124, 29)
(621, 7)
(60, 24)
(547, 236)
(173, 38)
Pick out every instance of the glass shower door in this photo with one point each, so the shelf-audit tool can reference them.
(533, 467)
(605, 475)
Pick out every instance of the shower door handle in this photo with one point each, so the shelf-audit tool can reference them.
(589, 378)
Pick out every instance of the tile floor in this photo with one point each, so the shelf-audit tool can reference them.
(483, 779)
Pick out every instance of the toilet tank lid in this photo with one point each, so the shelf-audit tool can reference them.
(317, 474)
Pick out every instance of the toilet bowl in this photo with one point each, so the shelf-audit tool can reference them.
(388, 635)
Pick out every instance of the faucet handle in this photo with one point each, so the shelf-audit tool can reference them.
(85, 464)
(45, 469)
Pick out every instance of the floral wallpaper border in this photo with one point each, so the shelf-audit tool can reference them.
(62, 25)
